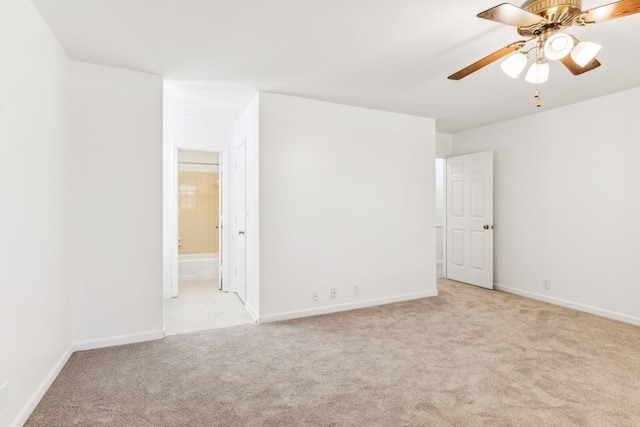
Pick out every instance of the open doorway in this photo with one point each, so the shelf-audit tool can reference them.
(464, 218)
(205, 117)
(199, 299)
(199, 209)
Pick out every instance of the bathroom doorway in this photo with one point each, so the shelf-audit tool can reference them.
(199, 299)
(199, 211)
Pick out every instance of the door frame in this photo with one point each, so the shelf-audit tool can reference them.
(240, 286)
(444, 219)
(223, 215)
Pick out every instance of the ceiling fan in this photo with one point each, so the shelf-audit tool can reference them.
(543, 21)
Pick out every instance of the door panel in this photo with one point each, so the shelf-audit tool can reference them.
(470, 219)
(477, 198)
(477, 250)
(457, 247)
(457, 207)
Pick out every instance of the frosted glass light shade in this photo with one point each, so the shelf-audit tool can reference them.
(514, 64)
(538, 73)
(585, 52)
(558, 46)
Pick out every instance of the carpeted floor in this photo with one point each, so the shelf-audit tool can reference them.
(469, 357)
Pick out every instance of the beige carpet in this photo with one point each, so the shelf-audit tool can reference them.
(469, 357)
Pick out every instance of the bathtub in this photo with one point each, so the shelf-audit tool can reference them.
(192, 267)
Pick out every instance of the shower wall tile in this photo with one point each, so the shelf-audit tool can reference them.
(198, 212)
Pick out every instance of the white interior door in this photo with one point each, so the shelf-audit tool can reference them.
(470, 219)
(240, 221)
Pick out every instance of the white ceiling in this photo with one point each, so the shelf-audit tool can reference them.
(216, 102)
(392, 55)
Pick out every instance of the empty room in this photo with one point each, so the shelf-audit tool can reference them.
(421, 213)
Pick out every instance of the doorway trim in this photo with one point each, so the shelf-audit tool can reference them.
(441, 225)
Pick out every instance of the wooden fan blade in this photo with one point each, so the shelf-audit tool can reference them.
(487, 60)
(509, 14)
(610, 11)
(576, 69)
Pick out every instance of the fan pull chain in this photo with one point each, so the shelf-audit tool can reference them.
(536, 94)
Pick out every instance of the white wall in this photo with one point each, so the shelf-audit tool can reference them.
(346, 198)
(444, 145)
(567, 205)
(117, 206)
(198, 161)
(35, 295)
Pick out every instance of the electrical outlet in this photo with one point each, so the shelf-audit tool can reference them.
(334, 293)
(314, 296)
(356, 289)
(546, 284)
(4, 396)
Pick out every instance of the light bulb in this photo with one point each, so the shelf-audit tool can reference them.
(558, 46)
(538, 73)
(584, 52)
(514, 64)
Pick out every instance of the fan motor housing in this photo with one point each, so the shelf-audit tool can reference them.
(558, 12)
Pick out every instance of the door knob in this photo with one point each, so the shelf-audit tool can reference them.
(241, 232)
(486, 227)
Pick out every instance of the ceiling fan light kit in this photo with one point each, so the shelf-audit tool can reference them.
(538, 73)
(515, 64)
(543, 21)
(585, 52)
(558, 46)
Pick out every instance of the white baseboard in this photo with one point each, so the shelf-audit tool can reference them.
(26, 411)
(121, 340)
(252, 312)
(344, 307)
(570, 304)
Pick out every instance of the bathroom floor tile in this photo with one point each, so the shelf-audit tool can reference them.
(199, 306)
